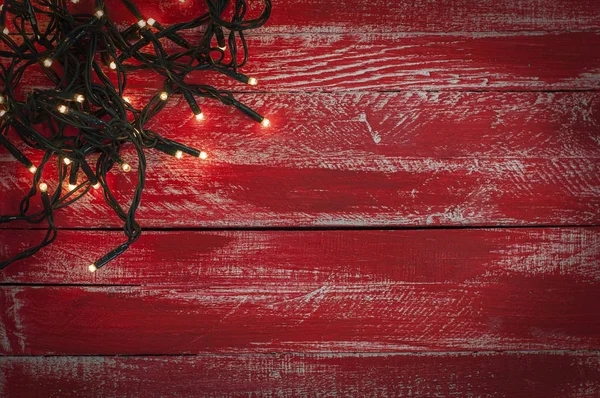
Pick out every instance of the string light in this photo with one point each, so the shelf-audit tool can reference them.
(105, 124)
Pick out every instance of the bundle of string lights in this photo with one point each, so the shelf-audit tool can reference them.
(82, 121)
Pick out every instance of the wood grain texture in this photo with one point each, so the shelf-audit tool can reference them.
(295, 16)
(394, 62)
(536, 374)
(361, 159)
(265, 259)
(341, 291)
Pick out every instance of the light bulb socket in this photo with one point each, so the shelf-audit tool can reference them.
(87, 170)
(111, 255)
(257, 117)
(17, 154)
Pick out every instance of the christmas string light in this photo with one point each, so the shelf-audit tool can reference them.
(87, 121)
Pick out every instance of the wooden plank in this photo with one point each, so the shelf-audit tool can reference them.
(275, 258)
(392, 62)
(536, 374)
(521, 290)
(359, 159)
(296, 16)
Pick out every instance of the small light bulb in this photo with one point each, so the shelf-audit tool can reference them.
(182, 1)
(5, 31)
(33, 169)
(141, 23)
(47, 62)
(179, 154)
(99, 14)
(200, 116)
(126, 167)
(63, 109)
(265, 122)
(96, 185)
(67, 161)
(203, 155)
(92, 268)
(2, 112)
(43, 187)
(72, 187)
(222, 48)
(252, 81)
(151, 21)
(74, 1)
(79, 98)
(112, 65)
(1, 99)
(164, 96)
(126, 99)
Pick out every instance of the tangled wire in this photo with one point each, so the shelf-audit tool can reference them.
(83, 121)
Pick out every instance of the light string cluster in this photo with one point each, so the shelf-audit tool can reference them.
(84, 121)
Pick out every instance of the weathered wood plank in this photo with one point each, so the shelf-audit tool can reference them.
(295, 16)
(391, 62)
(537, 374)
(363, 159)
(274, 258)
(547, 300)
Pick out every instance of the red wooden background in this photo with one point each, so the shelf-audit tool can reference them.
(421, 220)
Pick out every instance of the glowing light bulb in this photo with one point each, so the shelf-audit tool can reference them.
(47, 62)
(62, 109)
(126, 99)
(151, 21)
(179, 154)
(200, 116)
(203, 155)
(222, 48)
(1, 99)
(74, 1)
(2, 112)
(141, 23)
(99, 14)
(43, 187)
(96, 185)
(6, 31)
(79, 98)
(265, 122)
(252, 81)
(67, 161)
(112, 65)
(72, 187)
(33, 169)
(126, 167)
(182, 1)
(92, 268)
(164, 96)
